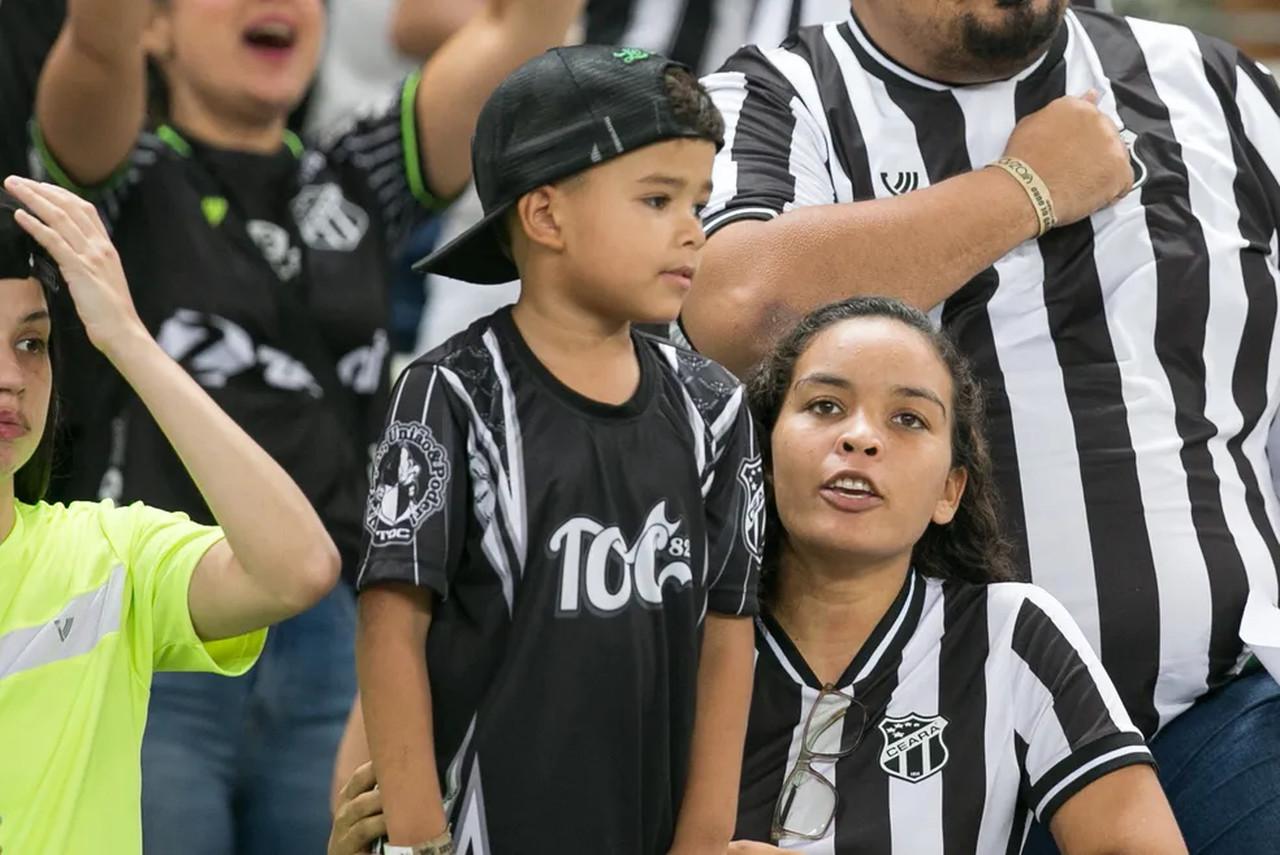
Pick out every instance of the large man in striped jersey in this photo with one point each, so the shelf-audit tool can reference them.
(1130, 356)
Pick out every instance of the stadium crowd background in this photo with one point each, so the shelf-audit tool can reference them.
(373, 44)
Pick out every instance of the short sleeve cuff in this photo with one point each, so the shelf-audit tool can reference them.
(56, 174)
(409, 137)
(719, 220)
(733, 603)
(392, 571)
(229, 657)
(1083, 767)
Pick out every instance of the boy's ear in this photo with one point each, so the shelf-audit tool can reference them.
(538, 217)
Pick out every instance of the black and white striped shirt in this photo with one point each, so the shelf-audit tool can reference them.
(984, 705)
(1130, 359)
(702, 33)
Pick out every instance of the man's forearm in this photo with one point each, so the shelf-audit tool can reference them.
(758, 278)
(708, 812)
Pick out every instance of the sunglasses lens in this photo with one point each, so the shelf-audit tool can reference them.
(807, 805)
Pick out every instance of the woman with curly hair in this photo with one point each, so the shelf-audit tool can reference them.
(909, 696)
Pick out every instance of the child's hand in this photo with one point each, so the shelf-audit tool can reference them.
(359, 820)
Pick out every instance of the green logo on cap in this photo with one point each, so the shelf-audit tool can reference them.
(630, 55)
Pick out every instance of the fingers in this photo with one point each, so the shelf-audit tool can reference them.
(1093, 96)
(52, 241)
(362, 806)
(66, 213)
(362, 780)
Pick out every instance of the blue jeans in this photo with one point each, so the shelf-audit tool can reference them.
(243, 765)
(1219, 764)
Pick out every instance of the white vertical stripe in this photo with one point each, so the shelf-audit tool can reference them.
(999, 674)
(422, 419)
(889, 135)
(1200, 126)
(1258, 447)
(729, 91)
(1126, 265)
(915, 808)
(729, 22)
(770, 23)
(1048, 462)
(811, 186)
(515, 451)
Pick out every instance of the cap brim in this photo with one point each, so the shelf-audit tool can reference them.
(476, 255)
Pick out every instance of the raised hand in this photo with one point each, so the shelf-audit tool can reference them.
(71, 232)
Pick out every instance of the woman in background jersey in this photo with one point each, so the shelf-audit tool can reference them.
(261, 264)
(95, 598)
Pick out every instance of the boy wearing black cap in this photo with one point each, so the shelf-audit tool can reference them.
(572, 509)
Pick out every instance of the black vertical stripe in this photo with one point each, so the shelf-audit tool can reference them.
(1124, 568)
(793, 20)
(690, 45)
(940, 133)
(962, 700)
(1182, 311)
(607, 20)
(1022, 810)
(1053, 659)
(850, 148)
(776, 711)
(765, 126)
(1257, 224)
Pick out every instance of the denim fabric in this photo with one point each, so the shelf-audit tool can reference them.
(243, 765)
(1220, 767)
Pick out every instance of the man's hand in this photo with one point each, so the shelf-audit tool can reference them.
(1078, 152)
(358, 821)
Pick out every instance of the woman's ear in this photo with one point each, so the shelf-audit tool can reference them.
(157, 37)
(952, 492)
(538, 217)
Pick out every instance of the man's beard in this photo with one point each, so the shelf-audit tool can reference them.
(1009, 47)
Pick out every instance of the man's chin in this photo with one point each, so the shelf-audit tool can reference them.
(1006, 39)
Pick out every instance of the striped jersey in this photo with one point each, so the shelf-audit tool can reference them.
(702, 33)
(1130, 359)
(973, 708)
(27, 32)
(574, 548)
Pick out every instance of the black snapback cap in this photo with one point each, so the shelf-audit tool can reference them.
(21, 257)
(555, 116)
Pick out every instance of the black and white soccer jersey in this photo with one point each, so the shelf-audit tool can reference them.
(979, 706)
(267, 277)
(1130, 359)
(574, 548)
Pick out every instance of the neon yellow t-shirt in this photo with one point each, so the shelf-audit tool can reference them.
(93, 600)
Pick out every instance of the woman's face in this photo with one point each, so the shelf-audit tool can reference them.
(248, 59)
(25, 373)
(862, 445)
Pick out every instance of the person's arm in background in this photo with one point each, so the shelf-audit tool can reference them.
(91, 100)
(353, 752)
(420, 27)
(459, 77)
(763, 269)
(277, 560)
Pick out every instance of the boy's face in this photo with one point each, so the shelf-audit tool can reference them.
(632, 233)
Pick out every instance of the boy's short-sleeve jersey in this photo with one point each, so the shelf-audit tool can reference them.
(93, 601)
(574, 548)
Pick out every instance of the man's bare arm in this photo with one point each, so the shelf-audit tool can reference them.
(420, 27)
(757, 278)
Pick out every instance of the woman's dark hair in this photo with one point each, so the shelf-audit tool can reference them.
(31, 481)
(972, 548)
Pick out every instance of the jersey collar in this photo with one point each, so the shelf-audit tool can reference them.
(879, 63)
(879, 653)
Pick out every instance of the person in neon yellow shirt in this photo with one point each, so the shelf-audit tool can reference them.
(93, 598)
